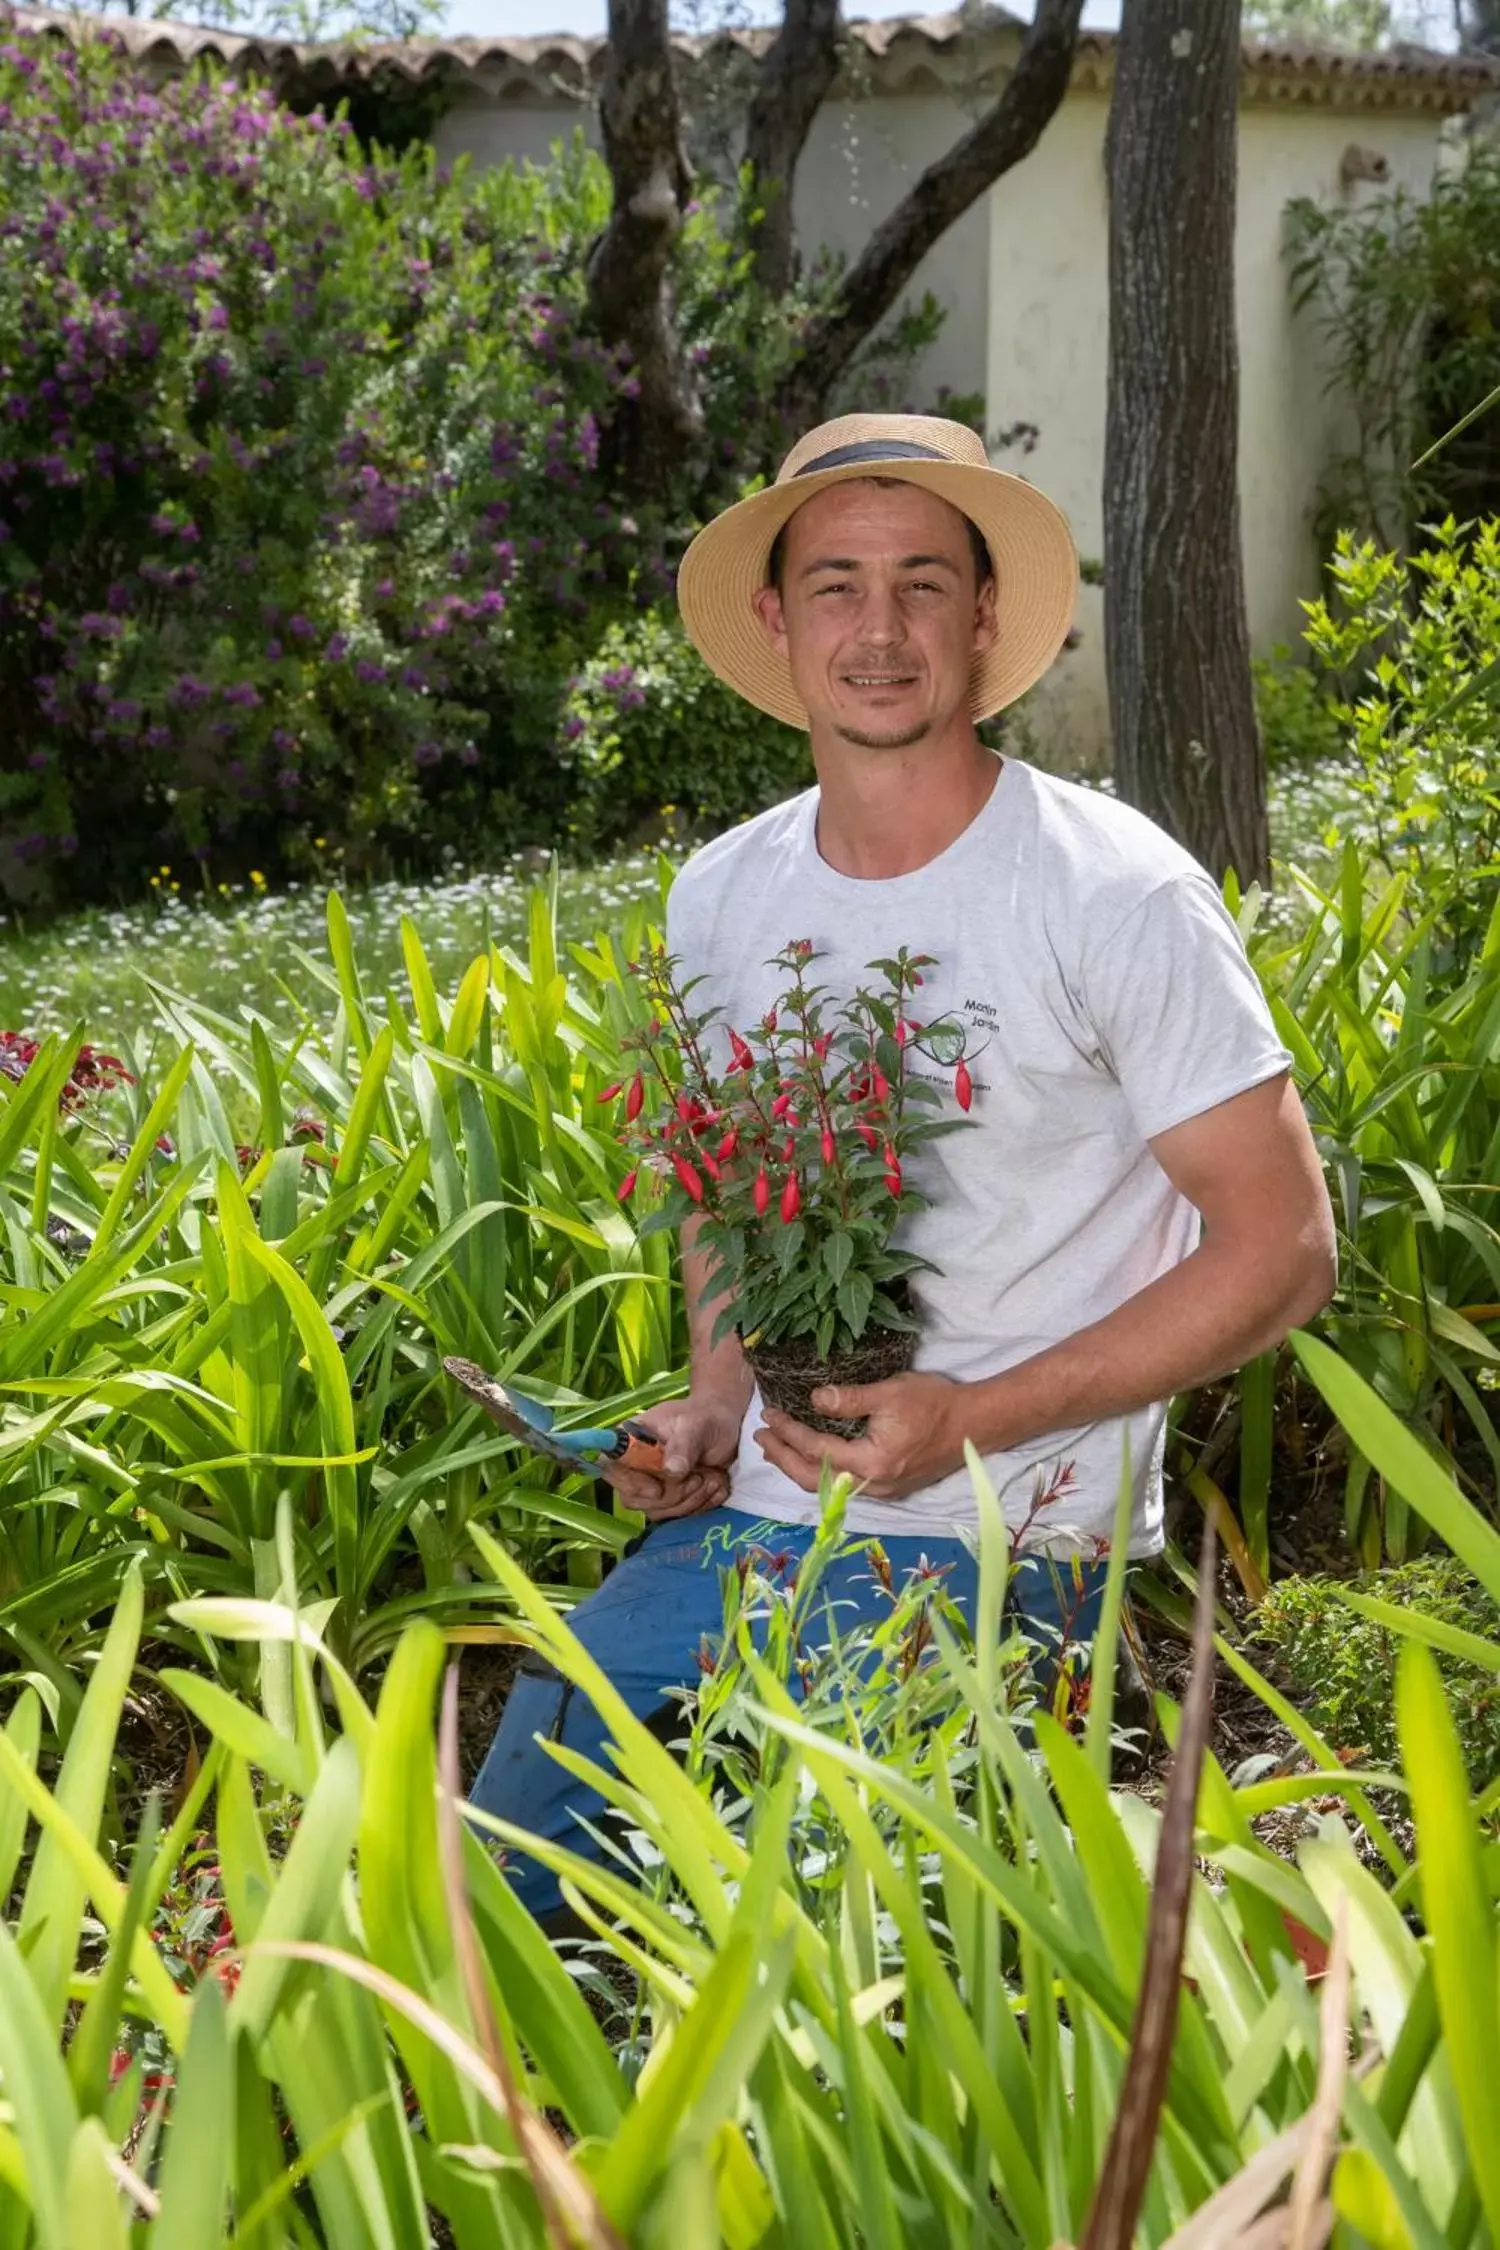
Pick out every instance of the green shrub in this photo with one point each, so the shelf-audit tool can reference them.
(1409, 634)
(1342, 1665)
(649, 729)
(1406, 289)
(1298, 720)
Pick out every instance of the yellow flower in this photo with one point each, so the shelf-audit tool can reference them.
(257, 878)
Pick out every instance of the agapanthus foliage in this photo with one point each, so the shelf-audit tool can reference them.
(305, 512)
(790, 1140)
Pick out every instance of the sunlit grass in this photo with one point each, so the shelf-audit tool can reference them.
(91, 966)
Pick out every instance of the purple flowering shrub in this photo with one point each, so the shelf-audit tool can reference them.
(304, 526)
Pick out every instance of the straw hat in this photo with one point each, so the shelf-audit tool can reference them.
(1031, 548)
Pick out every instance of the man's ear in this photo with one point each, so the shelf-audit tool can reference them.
(986, 619)
(772, 617)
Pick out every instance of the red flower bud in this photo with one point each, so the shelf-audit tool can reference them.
(709, 1164)
(867, 1134)
(893, 1178)
(781, 1105)
(761, 1192)
(827, 1146)
(729, 1144)
(634, 1098)
(822, 1044)
(688, 1176)
(788, 1148)
(768, 1020)
(626, 1188)
(903, 1031)
(791, 1199)
(743, 1059)
(963, 1084)
(612, 1093)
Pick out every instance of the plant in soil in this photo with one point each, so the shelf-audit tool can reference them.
(788, 1144)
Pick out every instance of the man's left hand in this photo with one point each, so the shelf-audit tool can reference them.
(915, 1435)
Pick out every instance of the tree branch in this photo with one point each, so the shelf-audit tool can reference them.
(630, 268)
(1003, 136)
(795, 74)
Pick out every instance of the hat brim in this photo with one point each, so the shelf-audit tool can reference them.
(1030, 544)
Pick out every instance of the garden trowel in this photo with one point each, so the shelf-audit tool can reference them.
(630, 1444)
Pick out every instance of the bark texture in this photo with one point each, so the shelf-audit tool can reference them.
(1007, 132)
(630, 268)
(1182, 708)
(794, 77)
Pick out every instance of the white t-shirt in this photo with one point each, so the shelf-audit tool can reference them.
(1106, 997)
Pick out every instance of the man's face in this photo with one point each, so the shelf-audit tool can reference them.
(878, 613)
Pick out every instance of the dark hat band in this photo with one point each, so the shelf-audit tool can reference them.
(872, 449)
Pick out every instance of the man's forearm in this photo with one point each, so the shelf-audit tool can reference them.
(718, 1368)
(1201, 1320)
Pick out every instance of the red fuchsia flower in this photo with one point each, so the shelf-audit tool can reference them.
(782, 1108)
(626, 1188)
(16, 1054)
(688, 1178)
(788, 1148)
(903, 1031)
(743, 1059)
(634, 1098)
(728, 1145)
(963, 1085)
(867, 1134)
(791, 1199)
(611, 1093)
(892, 1170)
(761, 1193)
(710, 1164)
(827, 1146)
(822, 1044)
(92, 1072)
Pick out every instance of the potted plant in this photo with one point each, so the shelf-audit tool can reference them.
(789, 1142)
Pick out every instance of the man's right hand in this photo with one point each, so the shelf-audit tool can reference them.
(700, 1437)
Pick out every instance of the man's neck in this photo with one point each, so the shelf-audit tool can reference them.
(888, 812)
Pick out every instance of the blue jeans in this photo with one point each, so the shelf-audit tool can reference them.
(645, 1627)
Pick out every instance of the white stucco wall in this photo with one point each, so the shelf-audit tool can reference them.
(1048, 327)
(490, 131)
(860, 159)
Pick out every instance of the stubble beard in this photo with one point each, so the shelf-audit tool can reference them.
(902, 739)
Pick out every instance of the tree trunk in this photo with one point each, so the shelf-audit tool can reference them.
(798, 68)
(1005, 134)
(630, 267)
(1182, 707)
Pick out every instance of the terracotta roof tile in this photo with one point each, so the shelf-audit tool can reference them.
(900, 48)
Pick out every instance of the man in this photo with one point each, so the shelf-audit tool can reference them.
(1141, 1207)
